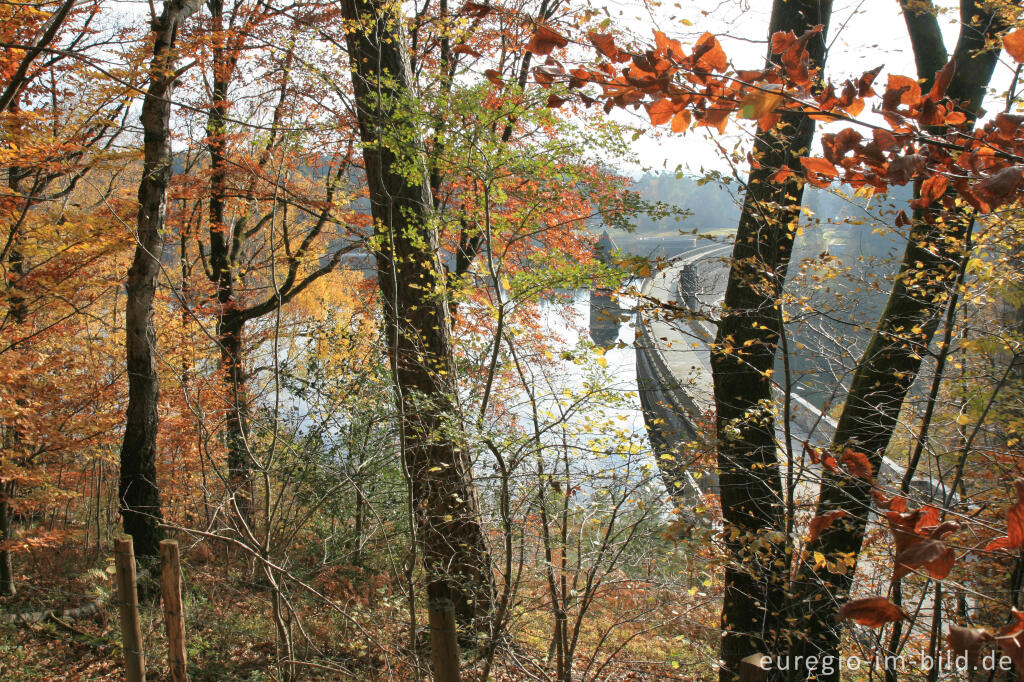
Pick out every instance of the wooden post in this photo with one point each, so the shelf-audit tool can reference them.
(444, 643)
(131, 630)
(751, 669)
(174, 614)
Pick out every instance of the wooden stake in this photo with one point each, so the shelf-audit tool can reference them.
(751, 669)
(174, 613)
(131, 630)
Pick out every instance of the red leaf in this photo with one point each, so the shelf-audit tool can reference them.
(857, 463)
(1011, 638)
(820, 523)
(476, 9)
(545, 39)
(466, 49)
(1014, 537)
(494, 76)
(1013, 42)
(902, 219)
(872, 612)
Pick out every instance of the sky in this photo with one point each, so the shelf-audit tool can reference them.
(863, 34)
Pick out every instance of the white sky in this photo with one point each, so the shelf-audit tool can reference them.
(863, 34)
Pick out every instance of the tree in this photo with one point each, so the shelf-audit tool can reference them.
(252, 183)
(751, 490)
(417, 328)
(139, 492)
(924, 286)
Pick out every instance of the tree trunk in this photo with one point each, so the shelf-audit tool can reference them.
(417, 319)
(892, 360)
(230, 332)
(742, 360)
(140, 496)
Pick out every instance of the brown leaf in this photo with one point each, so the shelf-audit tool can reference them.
(967, 642)
(554, 101)
(1011, 638)
(545, 39)
(933, 555)
(820, 523)
(605, 44)
(476, 9)
(998, 188)
(494, 76)
(1013, 43)
(872, 612)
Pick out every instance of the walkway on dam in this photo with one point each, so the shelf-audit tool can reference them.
(675, 330)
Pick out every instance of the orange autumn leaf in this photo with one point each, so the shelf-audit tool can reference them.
(661, 111)
(681, 121)
(933, 188)
(757, 104)
(821, 166)
(1013, 42)
(709, 55)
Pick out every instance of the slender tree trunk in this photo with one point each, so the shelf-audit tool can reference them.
(12, 440)
(892, 360)
(230, 331)
(742, 360)
(139, 494)
(417, 319)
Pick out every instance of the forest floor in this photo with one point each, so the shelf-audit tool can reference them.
(230, 634)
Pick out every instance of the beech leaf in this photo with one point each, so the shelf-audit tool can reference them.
(872, 612)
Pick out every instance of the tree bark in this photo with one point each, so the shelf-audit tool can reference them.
(417, 318)
(892, 359)
(139, 493)
(742, 360)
